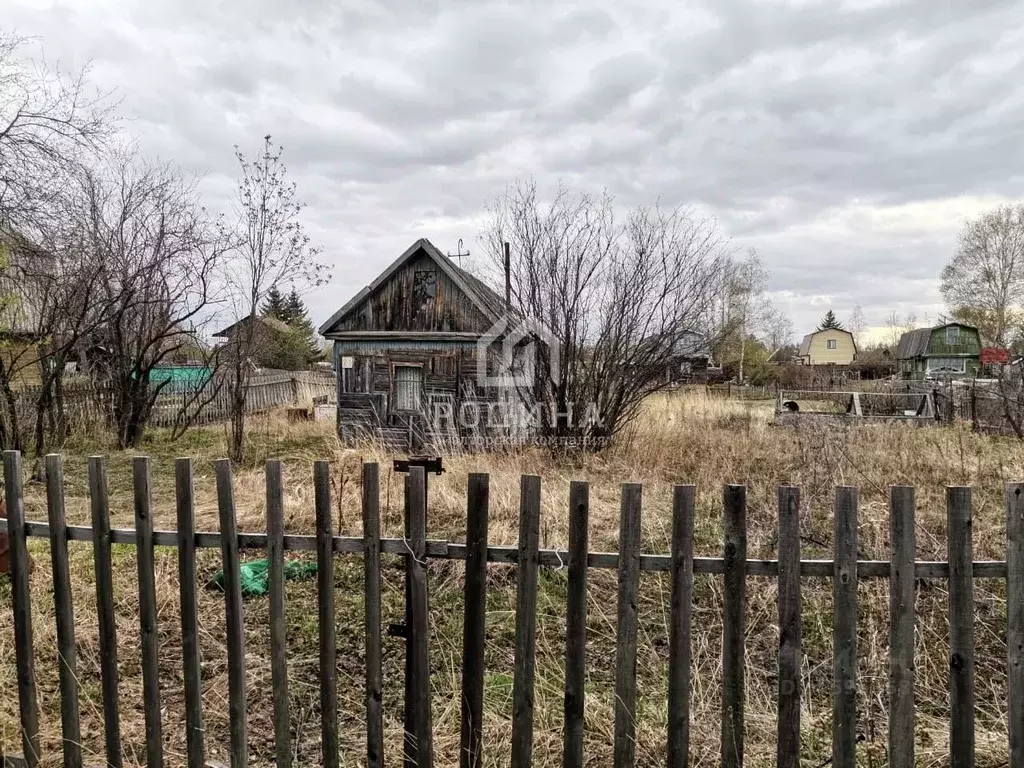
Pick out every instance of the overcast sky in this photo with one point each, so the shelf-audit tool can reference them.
(846, 142)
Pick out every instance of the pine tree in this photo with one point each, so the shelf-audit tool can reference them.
(830, 322)
(275, 305)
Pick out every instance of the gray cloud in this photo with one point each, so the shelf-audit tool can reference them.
(846, 142)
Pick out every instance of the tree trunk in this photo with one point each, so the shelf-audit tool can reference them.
(10, 429)
(238, 388)
(238, 423)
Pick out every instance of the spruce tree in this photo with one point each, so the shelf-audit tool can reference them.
(275, 305)
(830, 322)
(297, 316)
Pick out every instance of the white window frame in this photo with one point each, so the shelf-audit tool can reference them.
(952, 336)
(960, 367)
(831, 343)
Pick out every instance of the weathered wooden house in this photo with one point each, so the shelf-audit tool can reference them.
(407, 348)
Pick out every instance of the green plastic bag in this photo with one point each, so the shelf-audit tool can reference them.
(255, 576)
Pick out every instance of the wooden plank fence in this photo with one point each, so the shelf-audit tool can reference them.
(734, 567)
(88, 407)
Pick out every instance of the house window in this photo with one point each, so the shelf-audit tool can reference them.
(952, 335)
(408, 385)
(424, 287)
(831, 344)
(947, 365)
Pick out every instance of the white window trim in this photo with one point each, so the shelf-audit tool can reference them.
(960, 368)
(955, 331)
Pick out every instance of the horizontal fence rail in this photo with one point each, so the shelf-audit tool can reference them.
(438, 549)
(959, 571)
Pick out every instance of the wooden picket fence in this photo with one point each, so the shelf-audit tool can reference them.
(734, 567)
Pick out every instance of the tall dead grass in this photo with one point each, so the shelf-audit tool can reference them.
(679, 438)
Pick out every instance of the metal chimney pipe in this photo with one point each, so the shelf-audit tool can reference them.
(508, 278)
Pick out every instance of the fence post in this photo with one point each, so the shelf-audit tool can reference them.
(325, 603)
(64, 610)
(844, 630)
(24, 653)
(419, 627)
(734, 623)
(961, 627)
(234, 617)
(1015, 618)
(147, 612)
(184, 496)
(901, 628)
(679, 643)
(626, 626)
(278, 635)
(105, 607)
(474, 624)
(526, 621)
(371, 564)
(790, 628)
(576, 624)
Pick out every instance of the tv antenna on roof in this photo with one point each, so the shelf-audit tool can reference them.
(459, 253)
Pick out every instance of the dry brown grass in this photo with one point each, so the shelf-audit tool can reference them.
(681, 438)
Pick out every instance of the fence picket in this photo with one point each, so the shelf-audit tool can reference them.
(844, 631)
(278, 635)
(1015, 619)
(100, 508)
(419, 627)
(734, 623)
(576, 624)
(64, 611)
(961, 627)
(679, 647)
(325, 603)
(374, 673)
(790, 628)
(234, 617)
(185, 504)
(475, 621)
(526, 621)
(625, 642)
(901, 628)
(21, 600)
(147, 612)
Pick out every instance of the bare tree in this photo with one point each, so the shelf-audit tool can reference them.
(857, 325)
(983, 283)
(744, 312)
(158, 257)
(618, 300)
(271, 248)
(897, 325)
(48, 120)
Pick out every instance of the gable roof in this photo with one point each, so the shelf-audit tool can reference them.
(270, 322)
(915, 343)
(805, 343)
(490, 304)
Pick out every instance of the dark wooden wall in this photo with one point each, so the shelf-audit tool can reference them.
(407, 302)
